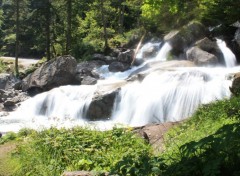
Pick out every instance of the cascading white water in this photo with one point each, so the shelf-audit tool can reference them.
(229, 57)
(170, 95)
(146, 47)
(167, 93)
(163, 53)
(55, 107)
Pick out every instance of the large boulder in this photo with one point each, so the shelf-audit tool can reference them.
(235, 88)
(103, 101)
(54, 73)
(200, 57)
(211, 47)
(7, 81)
(86, 71)
(237, 36)
(11, 98)
(185, 37)
(101, 106)
(118, 67)
(126, 57)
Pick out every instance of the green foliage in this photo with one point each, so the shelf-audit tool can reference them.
(52, 151)
(8, 137)
(164, 15)
(3, 66)
(207, 144)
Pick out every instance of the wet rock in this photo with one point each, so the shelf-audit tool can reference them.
(211, 47)
(200, 57)
(237, 36)
(185, 37)
(101, 106)
(54, 73)
(150, 52)
(9, 102)
(235, 88)
(12, 98)
(126, 57)
(118, 67)
(7, 81)
(88, 80)
(98, 56)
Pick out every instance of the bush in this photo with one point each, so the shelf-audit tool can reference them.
(52, 151)
(206, 144)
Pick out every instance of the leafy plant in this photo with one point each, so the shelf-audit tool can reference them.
(52, 151)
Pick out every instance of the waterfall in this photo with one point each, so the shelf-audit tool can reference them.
(229, 57)
(170, 95)
(167, 91)
(52, 108)
(163, 53)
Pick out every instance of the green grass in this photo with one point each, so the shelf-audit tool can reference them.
(53, 151)
(205, 145)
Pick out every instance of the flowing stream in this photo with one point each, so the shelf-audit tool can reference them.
(168, 91)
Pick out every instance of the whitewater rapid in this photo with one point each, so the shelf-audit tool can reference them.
(168, 91)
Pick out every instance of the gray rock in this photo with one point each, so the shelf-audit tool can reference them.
(86, 68)
(98, 56)
(185, 37)
(200, 57)
(9, 102)
(86, 71)
(237, 36)
(118, 67)
(7, 81)
(235, 88)
(54, 73)
(126, 57)
(211, 47)
(88, 80)
(151, 51)
(101, 106)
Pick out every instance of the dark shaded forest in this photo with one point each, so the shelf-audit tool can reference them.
(50, 28)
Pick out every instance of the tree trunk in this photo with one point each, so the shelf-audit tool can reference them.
(17, 38)
(106, 47)
(121, 16)
(69, 26)
(48, 23)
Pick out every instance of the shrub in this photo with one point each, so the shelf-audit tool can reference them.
(52, 151)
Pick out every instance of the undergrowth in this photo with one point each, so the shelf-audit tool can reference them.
(53, 151)
(205, 145)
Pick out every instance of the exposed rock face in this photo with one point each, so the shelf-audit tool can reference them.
(54, 73)
(85, 71)
(101, 106)
(211, 47)
(200, 57)
(88, 80)
(153, 134)
(235, 89)
(126, 57)
(118, 67)
(150, 52)
(7, 81)
(11, 98)
(185, 37)
(237, 36)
